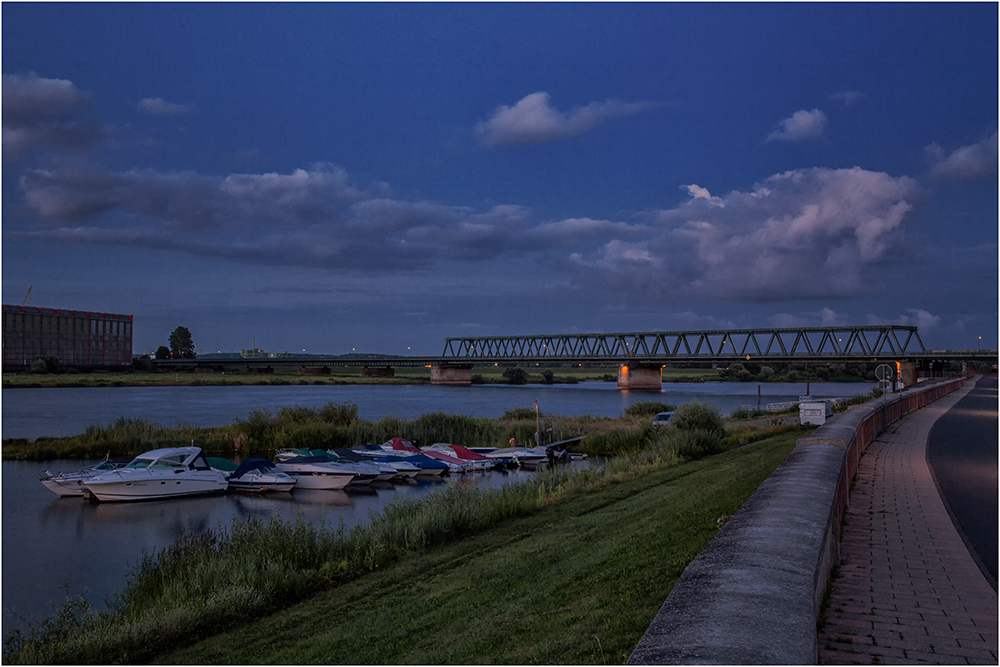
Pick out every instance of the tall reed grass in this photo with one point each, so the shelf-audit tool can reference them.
(207, 582)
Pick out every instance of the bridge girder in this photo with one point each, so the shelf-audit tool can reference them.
(866, 343)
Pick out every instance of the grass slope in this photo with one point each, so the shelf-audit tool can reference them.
(576, 583)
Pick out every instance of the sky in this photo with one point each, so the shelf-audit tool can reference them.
(338, 177)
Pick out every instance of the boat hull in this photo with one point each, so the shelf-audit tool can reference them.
(154, 488)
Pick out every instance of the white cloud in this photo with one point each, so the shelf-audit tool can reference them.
(800, 125)
(156, 106)
(532, 120)
(805, 234)
(968, 163)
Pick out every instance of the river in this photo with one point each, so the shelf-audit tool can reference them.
(51, 542)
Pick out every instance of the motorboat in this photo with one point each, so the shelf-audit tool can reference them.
(386, 472)
(403, 466)
(67, 484)
(454, 465)
(316, 472)
(519, 456)
(477, 461)
(260, 475)
(160, 473)
(428, 467)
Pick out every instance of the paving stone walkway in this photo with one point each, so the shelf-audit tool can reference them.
(908, 590)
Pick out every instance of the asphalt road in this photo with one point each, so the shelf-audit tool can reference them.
(962, 452)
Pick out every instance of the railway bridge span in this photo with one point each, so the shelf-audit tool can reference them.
(641, 356)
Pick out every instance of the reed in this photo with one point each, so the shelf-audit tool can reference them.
(225, 575)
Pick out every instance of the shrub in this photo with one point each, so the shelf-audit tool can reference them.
(648, 408)
(519, 413)
(516, 375)
(698, 417)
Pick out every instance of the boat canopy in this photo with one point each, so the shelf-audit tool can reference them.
(222, 464)
(468, 454)
(424, 461)
(403, 444)
(249, 465)
(350, 454)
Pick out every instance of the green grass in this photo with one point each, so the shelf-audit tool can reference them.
(576, 582)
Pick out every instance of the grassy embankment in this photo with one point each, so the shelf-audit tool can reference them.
(338, 376)
(568, 568)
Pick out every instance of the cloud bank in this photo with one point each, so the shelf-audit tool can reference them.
(40, 113)
(533, 120)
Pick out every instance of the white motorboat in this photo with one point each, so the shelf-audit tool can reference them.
(259, 476)
(161, 473)
(519, 456)
(71, 483)
(476, 461)
(316, 472)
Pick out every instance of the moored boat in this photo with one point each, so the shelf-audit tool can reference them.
(66, 484)
(260, 476)
(160, 473)
(316, 472)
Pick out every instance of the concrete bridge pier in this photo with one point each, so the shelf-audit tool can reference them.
(451, 375)
(640, 377)
(908, 374)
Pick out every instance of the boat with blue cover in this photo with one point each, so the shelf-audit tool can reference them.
(259, 476)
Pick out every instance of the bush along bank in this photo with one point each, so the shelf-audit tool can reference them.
(208, 582)
(334, 425)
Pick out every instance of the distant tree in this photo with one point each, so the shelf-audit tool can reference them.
(515, 375)
(181, 344)
(162, 352)
(45, 364)
(143, 363)
(548, 377)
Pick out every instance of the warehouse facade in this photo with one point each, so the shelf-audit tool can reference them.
(77, 338)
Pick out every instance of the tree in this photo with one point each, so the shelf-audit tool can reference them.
(162, 352)
(515, 375)
(181, 344)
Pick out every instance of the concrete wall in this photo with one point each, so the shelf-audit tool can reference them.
(753, 595)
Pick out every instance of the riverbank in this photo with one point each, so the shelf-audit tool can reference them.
(282, 376)
(574, 580)
(575, 583)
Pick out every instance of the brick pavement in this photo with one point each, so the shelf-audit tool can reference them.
(908, 590)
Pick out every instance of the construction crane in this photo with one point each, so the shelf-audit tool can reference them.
(27, 297)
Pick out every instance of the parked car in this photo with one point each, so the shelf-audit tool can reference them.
(663, 419)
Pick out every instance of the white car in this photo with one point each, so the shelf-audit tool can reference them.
(663, 419)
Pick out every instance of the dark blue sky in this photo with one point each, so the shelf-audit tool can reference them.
(378, 177)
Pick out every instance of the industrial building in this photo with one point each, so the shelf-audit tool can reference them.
(77, 338)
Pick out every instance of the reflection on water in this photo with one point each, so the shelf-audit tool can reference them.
(50, 541)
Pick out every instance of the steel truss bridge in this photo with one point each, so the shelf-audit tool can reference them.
(877, 343)
(815, 344)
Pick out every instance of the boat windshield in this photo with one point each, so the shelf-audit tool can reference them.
(138, 464)
(165, 464)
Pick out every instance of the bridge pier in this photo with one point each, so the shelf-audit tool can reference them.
(908, 374)
(640, 377)
(451, 375)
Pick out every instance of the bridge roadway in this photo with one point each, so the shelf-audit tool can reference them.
(641, 356)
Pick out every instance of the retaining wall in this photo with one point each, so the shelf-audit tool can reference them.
(753, 595)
